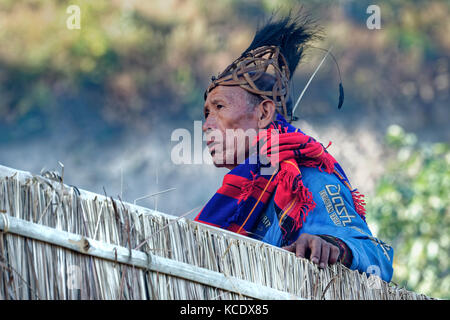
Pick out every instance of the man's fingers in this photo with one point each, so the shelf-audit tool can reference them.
(301, 249)
(298, 247)
(325, 253)
(334, 254)
(290, 248)
(319, 251)
(316, 248)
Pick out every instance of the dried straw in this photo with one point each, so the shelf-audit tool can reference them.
(40, 269)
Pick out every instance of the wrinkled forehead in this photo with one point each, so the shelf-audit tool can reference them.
(263, 82)
(236, 94)
(225, 94)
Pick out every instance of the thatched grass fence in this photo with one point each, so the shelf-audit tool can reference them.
(58, 242)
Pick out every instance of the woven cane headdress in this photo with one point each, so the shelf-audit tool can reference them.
(266, 66)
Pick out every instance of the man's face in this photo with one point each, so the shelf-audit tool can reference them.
(229, 119)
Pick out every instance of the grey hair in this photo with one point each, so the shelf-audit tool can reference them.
(266, 82)
(252, 100)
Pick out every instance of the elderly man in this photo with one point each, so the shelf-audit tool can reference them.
(305, 204)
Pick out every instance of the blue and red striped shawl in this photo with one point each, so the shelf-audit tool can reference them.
(245, 192)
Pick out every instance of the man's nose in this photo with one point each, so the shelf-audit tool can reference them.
(208, 124)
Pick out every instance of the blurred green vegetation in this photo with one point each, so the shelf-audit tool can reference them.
(411, 211)
(137, 62)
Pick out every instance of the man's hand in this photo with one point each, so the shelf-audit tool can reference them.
(315, 249)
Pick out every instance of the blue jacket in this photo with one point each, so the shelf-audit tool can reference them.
(334, 215)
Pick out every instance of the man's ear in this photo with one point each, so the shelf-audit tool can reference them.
(266, 113)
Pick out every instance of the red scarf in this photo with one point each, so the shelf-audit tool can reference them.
(245, 192)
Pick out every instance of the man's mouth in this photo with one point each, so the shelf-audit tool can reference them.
(211, 148)
(211, 144)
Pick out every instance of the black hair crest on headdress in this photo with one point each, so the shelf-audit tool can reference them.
(285, 38)
(291, 34)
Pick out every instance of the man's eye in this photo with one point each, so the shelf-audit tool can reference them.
(219, 106)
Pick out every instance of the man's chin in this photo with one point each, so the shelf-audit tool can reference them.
(221, 164)
(221, 161)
